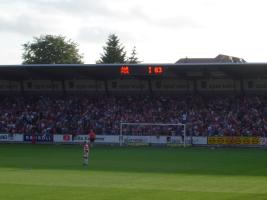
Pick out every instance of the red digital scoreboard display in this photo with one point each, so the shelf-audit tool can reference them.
(157, 70)
(141, 70)
(125, 70)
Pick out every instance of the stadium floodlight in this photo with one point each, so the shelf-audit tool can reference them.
(150, 133)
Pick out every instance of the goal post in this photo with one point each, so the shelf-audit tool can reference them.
(149, 127)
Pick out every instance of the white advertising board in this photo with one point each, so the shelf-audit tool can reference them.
(18, 138)
(101, 139)
(128, 139)
(62, 138)
(11, 137)
(4, 137)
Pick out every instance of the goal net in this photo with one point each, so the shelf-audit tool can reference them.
(153, 133)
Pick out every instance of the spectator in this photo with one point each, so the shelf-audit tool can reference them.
(217, 115)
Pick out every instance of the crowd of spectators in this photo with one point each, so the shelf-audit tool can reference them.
(203, 115)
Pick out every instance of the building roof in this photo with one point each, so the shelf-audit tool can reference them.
(218, 59)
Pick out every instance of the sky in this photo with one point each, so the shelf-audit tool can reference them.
(163, 31)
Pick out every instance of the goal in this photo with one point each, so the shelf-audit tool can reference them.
(153, 133)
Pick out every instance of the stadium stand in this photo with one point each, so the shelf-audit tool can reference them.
(223, 96)
(206, 115)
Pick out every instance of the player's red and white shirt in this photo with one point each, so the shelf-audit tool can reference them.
(86, 148)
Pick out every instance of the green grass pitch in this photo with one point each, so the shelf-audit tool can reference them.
(55, 172)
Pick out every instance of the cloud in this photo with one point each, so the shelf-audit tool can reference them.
(22, 24)
(177, 22)
(94, 34)
(71, 7)
(76, 8)
(100, 34)
(174, 22)
(138, 13)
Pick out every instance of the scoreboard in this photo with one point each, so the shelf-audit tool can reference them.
(149, 70)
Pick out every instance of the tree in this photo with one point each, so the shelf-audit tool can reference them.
(49, 49)
(113, 51)
(133, 58)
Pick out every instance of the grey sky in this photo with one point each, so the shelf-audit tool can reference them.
(162, 31)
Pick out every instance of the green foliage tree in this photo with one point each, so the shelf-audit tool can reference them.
(113, 51)
(133, 59)
(49, 49)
